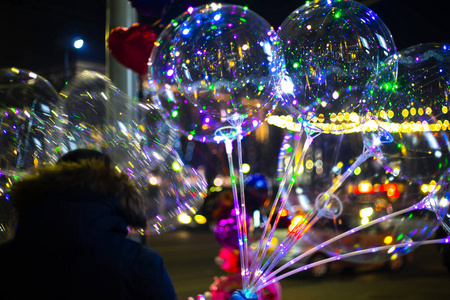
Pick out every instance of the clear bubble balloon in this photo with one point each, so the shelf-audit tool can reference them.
(228, 63)
(190, 120)
(28, 113)
(331, 48)
(408, 116)
(96, 114)
(368, 194)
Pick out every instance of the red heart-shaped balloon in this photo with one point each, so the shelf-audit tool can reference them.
(132, 46)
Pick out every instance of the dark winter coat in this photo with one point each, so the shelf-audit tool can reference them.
(71, 244)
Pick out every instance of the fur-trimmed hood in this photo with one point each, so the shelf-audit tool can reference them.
(57, 182)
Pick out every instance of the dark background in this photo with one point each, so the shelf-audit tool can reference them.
(34, 32)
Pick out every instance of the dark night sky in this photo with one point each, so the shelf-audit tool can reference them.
(33, 31)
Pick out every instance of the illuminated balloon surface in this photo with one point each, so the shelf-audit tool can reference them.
(331, 48)
(96, 114)
(228, 63)
(28, 113)
(410, 115)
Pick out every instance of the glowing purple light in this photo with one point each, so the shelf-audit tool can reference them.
(190, 9)
(207, 120)
(6, 113)
(169, 73)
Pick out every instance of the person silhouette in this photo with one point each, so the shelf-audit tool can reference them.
(71, 241)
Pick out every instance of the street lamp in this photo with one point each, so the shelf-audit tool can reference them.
(77, 44)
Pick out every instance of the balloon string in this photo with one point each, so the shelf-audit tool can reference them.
(229, 150)
(288, 243)
(244, 271)
(351, 254)
(298, 230)
(361, 159)
(257, 259)
(419, 205)
(284, 193)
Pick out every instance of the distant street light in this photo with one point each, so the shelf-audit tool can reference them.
(78, 43)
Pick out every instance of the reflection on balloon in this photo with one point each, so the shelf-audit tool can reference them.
(228, 63)
(410, 114)
(331, 48)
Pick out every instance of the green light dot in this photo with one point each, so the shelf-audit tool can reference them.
(400, 237)
(175, 114)
(261, 87)
(176, 166)
(243, 20)
(296, 65)
(245, 8)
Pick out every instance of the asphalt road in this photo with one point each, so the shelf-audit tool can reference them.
(189, 257)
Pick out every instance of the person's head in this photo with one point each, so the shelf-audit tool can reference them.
(83, 169)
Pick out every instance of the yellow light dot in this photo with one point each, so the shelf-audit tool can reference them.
(200, 219)
(340, 117)
(420, 111)
(390, 114)
(357, 171)
(428, 111)
(321, 118)
(444, 109)
(405, 113)
(413, 111)
(309, 164)
(388, 240)
(383, 114)
(333, 117)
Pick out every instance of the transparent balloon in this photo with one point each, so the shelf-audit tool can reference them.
(332, 48)
(408, 117)
(372, 217)
(28, 114)
(228, 62)
(97, 115)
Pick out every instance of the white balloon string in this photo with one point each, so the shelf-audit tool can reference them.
(245, 270)
(257, 258)
(229, 150)
(284, 194)
(420, 205)
(351, 254)
(361, 159)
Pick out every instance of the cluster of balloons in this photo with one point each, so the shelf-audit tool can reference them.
(39, 125)
(220, 69)
(216, 73)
